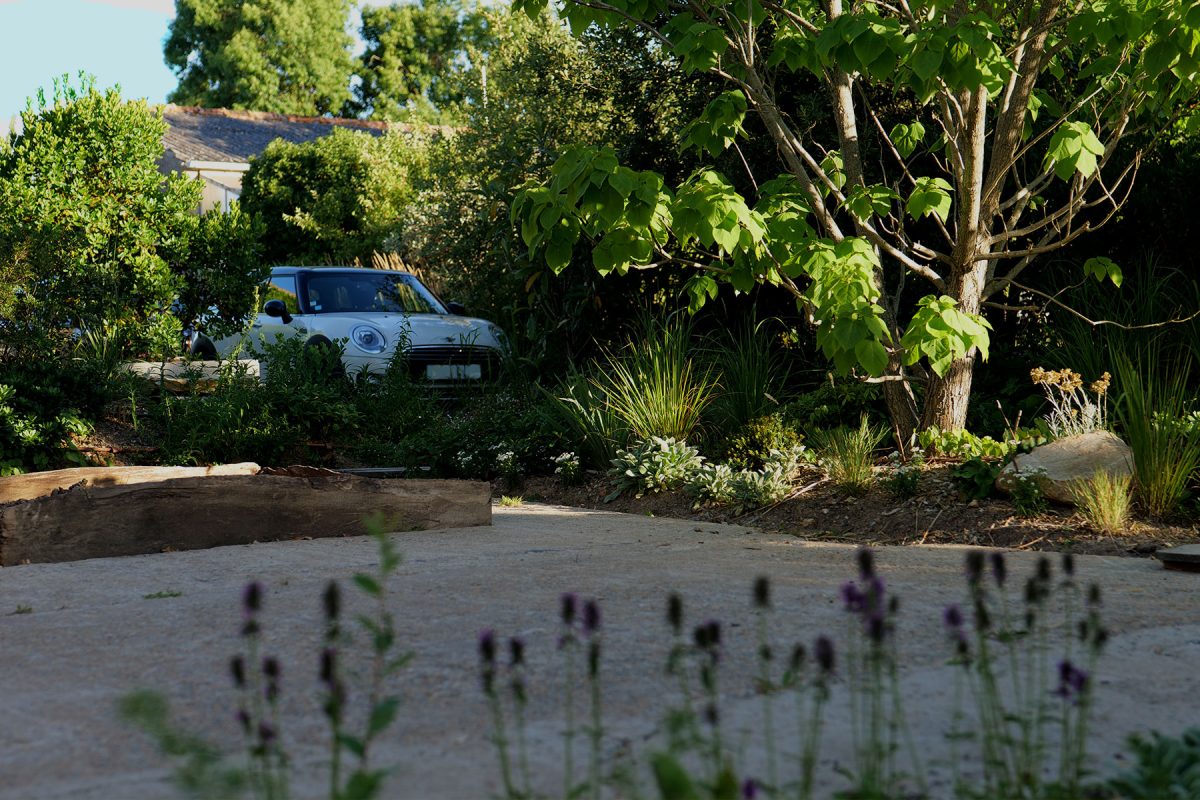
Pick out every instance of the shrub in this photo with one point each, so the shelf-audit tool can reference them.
(847, 455)
(751, 447)
(834, 404)
(1103, 499)
(303, 397)
(1166, 453)
(32, 442)
(85, 220)
(654, 465)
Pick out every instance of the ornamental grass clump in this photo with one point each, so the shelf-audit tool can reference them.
(847, 455)
(1104, 500)
(1166, 454)
(653, 386)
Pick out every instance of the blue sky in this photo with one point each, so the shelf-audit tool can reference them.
(118, 41)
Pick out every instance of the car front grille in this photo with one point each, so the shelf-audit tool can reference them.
(422, 357)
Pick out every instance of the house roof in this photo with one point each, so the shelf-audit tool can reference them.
(225, 135)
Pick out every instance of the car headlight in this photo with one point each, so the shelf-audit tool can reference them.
(368, 339)
(498, 335)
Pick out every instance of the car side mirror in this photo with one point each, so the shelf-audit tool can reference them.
(276, 308)
(456, 308)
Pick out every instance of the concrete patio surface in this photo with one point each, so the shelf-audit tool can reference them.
(92, 636)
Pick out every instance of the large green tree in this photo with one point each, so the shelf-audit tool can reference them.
(85, 219)
(543, 91)
(963, 141)
(287, 56)
(415, 54)
(331, 200)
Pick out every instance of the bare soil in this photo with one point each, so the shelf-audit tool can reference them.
(816, 510)
(938, 514)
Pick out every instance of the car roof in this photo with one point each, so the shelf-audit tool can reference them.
(276, 271)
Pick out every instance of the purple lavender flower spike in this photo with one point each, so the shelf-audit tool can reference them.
(953, 617)
(591, 617)
(675, 612)
(237, 668)
(999, 568)
(749, 789)
(487, 646)
(866, 563)
(569, 604)
(252, 598)
(852, 598)
(328, 666)
(823, 652)
(516, 651)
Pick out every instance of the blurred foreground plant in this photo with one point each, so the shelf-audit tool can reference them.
(203, 771)
(1026, 664)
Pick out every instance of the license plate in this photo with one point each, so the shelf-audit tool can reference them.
(453, 372)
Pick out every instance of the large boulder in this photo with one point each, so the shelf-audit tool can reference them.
(1065, 461)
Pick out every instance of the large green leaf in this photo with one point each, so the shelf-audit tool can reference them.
(929, 196)
(906, 137)
(1073, 148)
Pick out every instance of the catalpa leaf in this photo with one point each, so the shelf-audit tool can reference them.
(1101, 267)
(867, 201)
(872, 356)
(906, 137)
(929, 196)
(1073, 148)
(718, 125)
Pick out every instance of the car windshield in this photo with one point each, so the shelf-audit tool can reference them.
(352, 292)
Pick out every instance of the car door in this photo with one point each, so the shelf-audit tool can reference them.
(267, 329)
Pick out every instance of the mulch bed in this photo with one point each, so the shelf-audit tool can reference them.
(938, 514)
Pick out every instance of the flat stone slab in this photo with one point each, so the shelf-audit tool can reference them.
(1185, 557)
(179, 375)
(90, 632)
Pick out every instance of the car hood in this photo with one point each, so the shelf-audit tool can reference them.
(422, 330)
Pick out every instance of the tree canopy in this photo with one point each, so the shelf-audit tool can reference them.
(333, 199)
(414, 54)
(287, 56)
(85, 217)
(963, 141)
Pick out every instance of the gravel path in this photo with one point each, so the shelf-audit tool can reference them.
(92, 636)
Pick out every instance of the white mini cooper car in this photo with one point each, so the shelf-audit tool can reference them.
(374, 311)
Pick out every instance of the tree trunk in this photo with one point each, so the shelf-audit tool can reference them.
(901, 406)
(946, 397)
